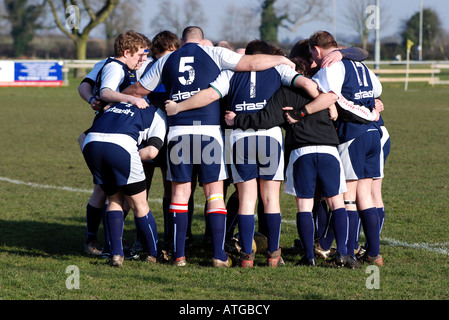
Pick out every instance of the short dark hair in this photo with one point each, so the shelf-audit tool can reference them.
(322, 39)
(163, 41)
(192, 30)
(257, 47)
(300, 49)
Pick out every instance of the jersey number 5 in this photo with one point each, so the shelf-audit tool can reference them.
(183, 68)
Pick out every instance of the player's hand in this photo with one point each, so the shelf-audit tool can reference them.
(379, 105)
(287, 115)
(138, 102)
(333, 113)
(377, 115)
(96, 103)
(171, 108)
(331, 58)
(229, 118)
(290, 63)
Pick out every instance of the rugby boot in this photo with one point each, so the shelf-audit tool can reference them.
(151, 260)
(247, 260)
(319, 251)
(307, 262)
(180, 262)
(222, 264)
(116, 260)
(351, 262)
(274, 259)
(92, 248)
(377, 260)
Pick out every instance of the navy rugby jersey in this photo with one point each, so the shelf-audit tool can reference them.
(358, 86)
(127, 119)
(354, 81)
(129, 77)
(248, 92)
(187, 71)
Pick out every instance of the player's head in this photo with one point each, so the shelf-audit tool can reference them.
(164, 41)
(301, 51)
(320, 44)
(225, 44)
(258, 47)
(133, 48)
(207, 43)
(300, 66)
(192, 34)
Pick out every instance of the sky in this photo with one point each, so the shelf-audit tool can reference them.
(398, 11)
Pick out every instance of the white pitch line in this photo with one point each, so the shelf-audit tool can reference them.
(437, 247)
(440, 248)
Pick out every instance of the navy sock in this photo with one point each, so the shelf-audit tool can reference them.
(106, 246)
(353, 226)
(381, 213)
(148, 230)
(93, 220)
(232, 208)
(370, 223)
(340, 224)
(180, 221)
(273, 227)
(115, 227)
(321, 219)
(324, 230)
(246, 232)
(191, 207)
(217, 221)
(168, 221)
(306, 230)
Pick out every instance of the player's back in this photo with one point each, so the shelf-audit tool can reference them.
(250, 91)
(123, 118)
(187, 71)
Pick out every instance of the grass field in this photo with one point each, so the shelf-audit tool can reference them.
(45, 185)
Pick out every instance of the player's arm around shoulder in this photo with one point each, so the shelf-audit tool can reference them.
(112, 96)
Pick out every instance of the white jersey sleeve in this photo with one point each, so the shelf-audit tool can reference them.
(158, 128)
(331, 79)
(139, 73)
(222, 83)
(287, 74)
(377, 86)
(92, 75)
(112, 76)
(153, 78)
(224, 58)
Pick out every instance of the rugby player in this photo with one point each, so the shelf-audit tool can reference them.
(359, 146)
(111, 153)
(95, 206)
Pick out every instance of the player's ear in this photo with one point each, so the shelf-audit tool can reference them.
(126, 53)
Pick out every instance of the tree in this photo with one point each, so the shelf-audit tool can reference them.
(118, 21)
(289, 15)
(237, 19)
(23, 16)
(74, 21)
(431, 30)
(169, 17)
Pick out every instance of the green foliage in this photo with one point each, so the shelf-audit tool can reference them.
(23, 17)
(431, 29)
(270, 22)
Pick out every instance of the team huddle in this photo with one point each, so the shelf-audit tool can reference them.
(209, 114)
